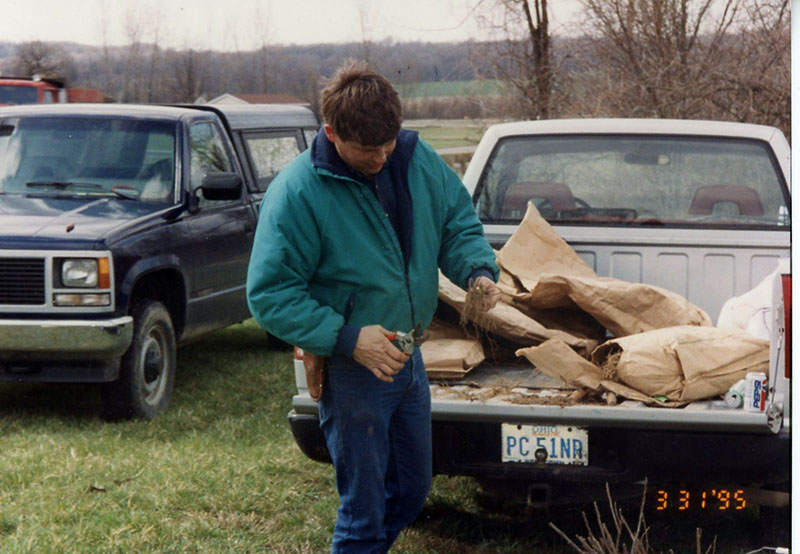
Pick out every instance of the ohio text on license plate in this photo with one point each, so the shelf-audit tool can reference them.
(551, 444)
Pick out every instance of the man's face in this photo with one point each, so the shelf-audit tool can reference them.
(368, 160)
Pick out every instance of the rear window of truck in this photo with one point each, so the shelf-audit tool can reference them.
(635, 180)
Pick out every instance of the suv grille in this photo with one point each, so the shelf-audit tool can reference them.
(22, 281)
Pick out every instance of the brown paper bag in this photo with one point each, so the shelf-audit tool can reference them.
(679, 364)
(510, 323)
(683, 363)
(556, 359)
(535, 250)
(549, 274)
(622, 307)
(448, 351)
(451, 358)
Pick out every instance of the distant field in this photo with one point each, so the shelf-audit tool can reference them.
(450, 88)
(447, 133)
(459, 137)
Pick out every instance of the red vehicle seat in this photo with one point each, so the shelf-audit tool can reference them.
(745, 198)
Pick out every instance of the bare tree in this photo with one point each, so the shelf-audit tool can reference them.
(236, 70)
(755, 84)
(42, 58)
(133, 76)
(264, 56)
(365, 24)
(710, 59)
(312, 88)
(189, 70)
(523, 57)
(658, 55)
(108, 61)
(155, 79)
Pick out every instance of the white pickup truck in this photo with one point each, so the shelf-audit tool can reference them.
(697, 207)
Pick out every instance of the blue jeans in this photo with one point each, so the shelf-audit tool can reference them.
(379, 437)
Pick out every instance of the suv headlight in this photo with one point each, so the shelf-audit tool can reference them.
(79, 273)
(85, 273)
(82, 273)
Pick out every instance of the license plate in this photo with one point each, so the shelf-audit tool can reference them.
(549, 444)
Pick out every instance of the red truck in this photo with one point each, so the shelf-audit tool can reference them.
(41, 90)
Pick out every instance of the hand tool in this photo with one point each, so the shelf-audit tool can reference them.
(408, 341)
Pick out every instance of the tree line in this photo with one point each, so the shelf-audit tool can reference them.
(146, 72)
(695, 59)
(688, 59)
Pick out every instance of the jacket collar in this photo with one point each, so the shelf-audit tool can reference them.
(325, 156)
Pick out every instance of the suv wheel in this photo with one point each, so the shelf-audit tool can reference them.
(147, 369)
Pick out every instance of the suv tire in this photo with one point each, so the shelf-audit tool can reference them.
(147, 369)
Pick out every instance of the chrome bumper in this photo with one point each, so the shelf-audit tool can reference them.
(65, 339)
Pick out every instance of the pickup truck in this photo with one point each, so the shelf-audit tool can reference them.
(700, 208)
(125, 231)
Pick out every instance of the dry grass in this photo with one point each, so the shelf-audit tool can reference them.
(620, 537)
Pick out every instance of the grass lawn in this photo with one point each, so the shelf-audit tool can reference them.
(218, 472)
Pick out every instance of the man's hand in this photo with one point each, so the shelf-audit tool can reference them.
(378, 354)
(489, 293)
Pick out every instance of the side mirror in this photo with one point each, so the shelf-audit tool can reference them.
(222, 186)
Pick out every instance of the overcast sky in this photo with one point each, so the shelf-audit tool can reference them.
(247, 24)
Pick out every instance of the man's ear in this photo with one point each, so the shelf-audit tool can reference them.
(330, 133)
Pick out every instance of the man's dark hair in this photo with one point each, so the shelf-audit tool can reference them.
(361, 105)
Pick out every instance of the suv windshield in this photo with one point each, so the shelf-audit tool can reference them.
(88, 156)
(634, 180)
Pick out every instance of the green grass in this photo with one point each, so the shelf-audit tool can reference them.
(440, 135)
(475, 87)
(219, 472)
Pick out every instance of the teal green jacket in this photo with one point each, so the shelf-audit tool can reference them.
(326, 254)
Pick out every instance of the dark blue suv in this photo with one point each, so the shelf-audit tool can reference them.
(125, 231)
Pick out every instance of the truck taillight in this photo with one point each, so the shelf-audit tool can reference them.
(298, 353)
(786, 283)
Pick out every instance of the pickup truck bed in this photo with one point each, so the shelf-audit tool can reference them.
(500, 393)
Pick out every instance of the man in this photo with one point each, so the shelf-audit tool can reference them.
(349, 241)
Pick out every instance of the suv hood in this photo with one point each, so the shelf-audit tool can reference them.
(74, 219)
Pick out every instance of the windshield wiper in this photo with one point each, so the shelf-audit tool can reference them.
(64, 184)
(126, 193)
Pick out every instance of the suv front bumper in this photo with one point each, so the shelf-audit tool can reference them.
(52, 350)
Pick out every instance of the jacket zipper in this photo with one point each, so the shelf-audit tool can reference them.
(406, 278)
(397, 240)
